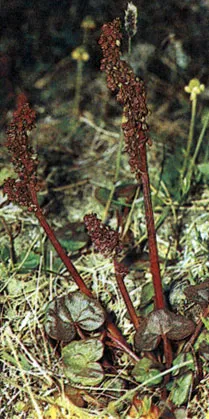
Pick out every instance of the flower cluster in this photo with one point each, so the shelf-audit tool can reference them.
(105, 240)
(131, 94)
(194, 88)
(88, 23)
(80, 54)
(18, 193)
(17, 143)
(22, 154)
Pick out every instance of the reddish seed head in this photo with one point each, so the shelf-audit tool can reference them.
(105, 239)
(130, 93)
(22, 154)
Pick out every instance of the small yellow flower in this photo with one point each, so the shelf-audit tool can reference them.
(80, 54)
(194, 88)
(88, 23)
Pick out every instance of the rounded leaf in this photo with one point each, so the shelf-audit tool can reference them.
(158, 323)
(85, 311)
(58, 321)
(79, 359)
(181, 327)
(64, 313)
(144, 370)
(149, 333)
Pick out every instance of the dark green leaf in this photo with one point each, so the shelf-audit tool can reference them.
(145, 311)
(102, 195)
(123, 195)
(144, 370)
(80, 358)
(4, 253)
(180, 390)
(72, 245)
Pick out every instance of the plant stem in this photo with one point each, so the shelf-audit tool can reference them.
(153, 252)
(129, 46)
(125, 348)
(114, 331)
(79, 74)
(125, 295)
(190, 137)
(197, 331)
(152, 243)
(63, 256)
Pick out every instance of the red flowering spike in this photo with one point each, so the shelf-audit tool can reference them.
(131, 94)
(22, 155)
(105, 240)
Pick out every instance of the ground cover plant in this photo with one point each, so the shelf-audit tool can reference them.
(72, 347)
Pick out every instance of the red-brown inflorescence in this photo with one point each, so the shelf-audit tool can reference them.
(24, 192)
(22, 155)
(17, 138)
(17, 192)
(105, 240)
(131, 94)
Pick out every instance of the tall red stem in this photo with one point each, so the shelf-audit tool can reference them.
(50, 234)
(152, 242)
(153, 252)
(125, 295)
